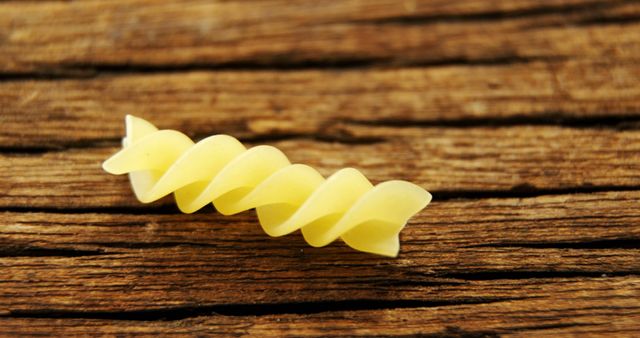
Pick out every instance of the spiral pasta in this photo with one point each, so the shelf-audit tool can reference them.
(286, 196)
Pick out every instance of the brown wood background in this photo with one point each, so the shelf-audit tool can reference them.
(522, 117)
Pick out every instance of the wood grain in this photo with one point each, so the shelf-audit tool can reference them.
(598, 306)
(444, 160)
(249, 104)
(520, 116)
(492, 266)
(58, 36)
(458, 251)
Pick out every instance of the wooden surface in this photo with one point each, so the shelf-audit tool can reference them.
(522, 118)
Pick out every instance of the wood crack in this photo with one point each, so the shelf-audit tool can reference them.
(535, 12)
(532, 274)
(545, 327)
(245, 310)
(67, 71)
(618, 243)
(165, 209)
(631, 19)
(71, 71)
(526, 190)
(619, 122)
(152, 245)
(33, 251)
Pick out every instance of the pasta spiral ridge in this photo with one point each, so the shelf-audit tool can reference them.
(287, 197)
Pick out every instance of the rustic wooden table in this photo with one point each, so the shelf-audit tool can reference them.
(521, 117)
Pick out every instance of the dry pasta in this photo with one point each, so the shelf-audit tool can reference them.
(286, 196)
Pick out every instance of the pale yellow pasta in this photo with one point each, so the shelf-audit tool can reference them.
(286, 196)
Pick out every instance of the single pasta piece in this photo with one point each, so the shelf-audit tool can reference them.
(286, 196)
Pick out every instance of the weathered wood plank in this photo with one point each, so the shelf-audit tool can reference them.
(50, 114)
(575, 218)
(55, 35)
(455, 122)
(440, 159)
(455, 251)
(602, 306)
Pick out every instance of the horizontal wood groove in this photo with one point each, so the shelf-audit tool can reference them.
(525, 190)
(524, 274)
(33, 251)
(630, 121)
(533, 12)
(247, 310)
(618, 243)
(87, 71)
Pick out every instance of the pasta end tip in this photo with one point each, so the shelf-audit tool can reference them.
(110, 167)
